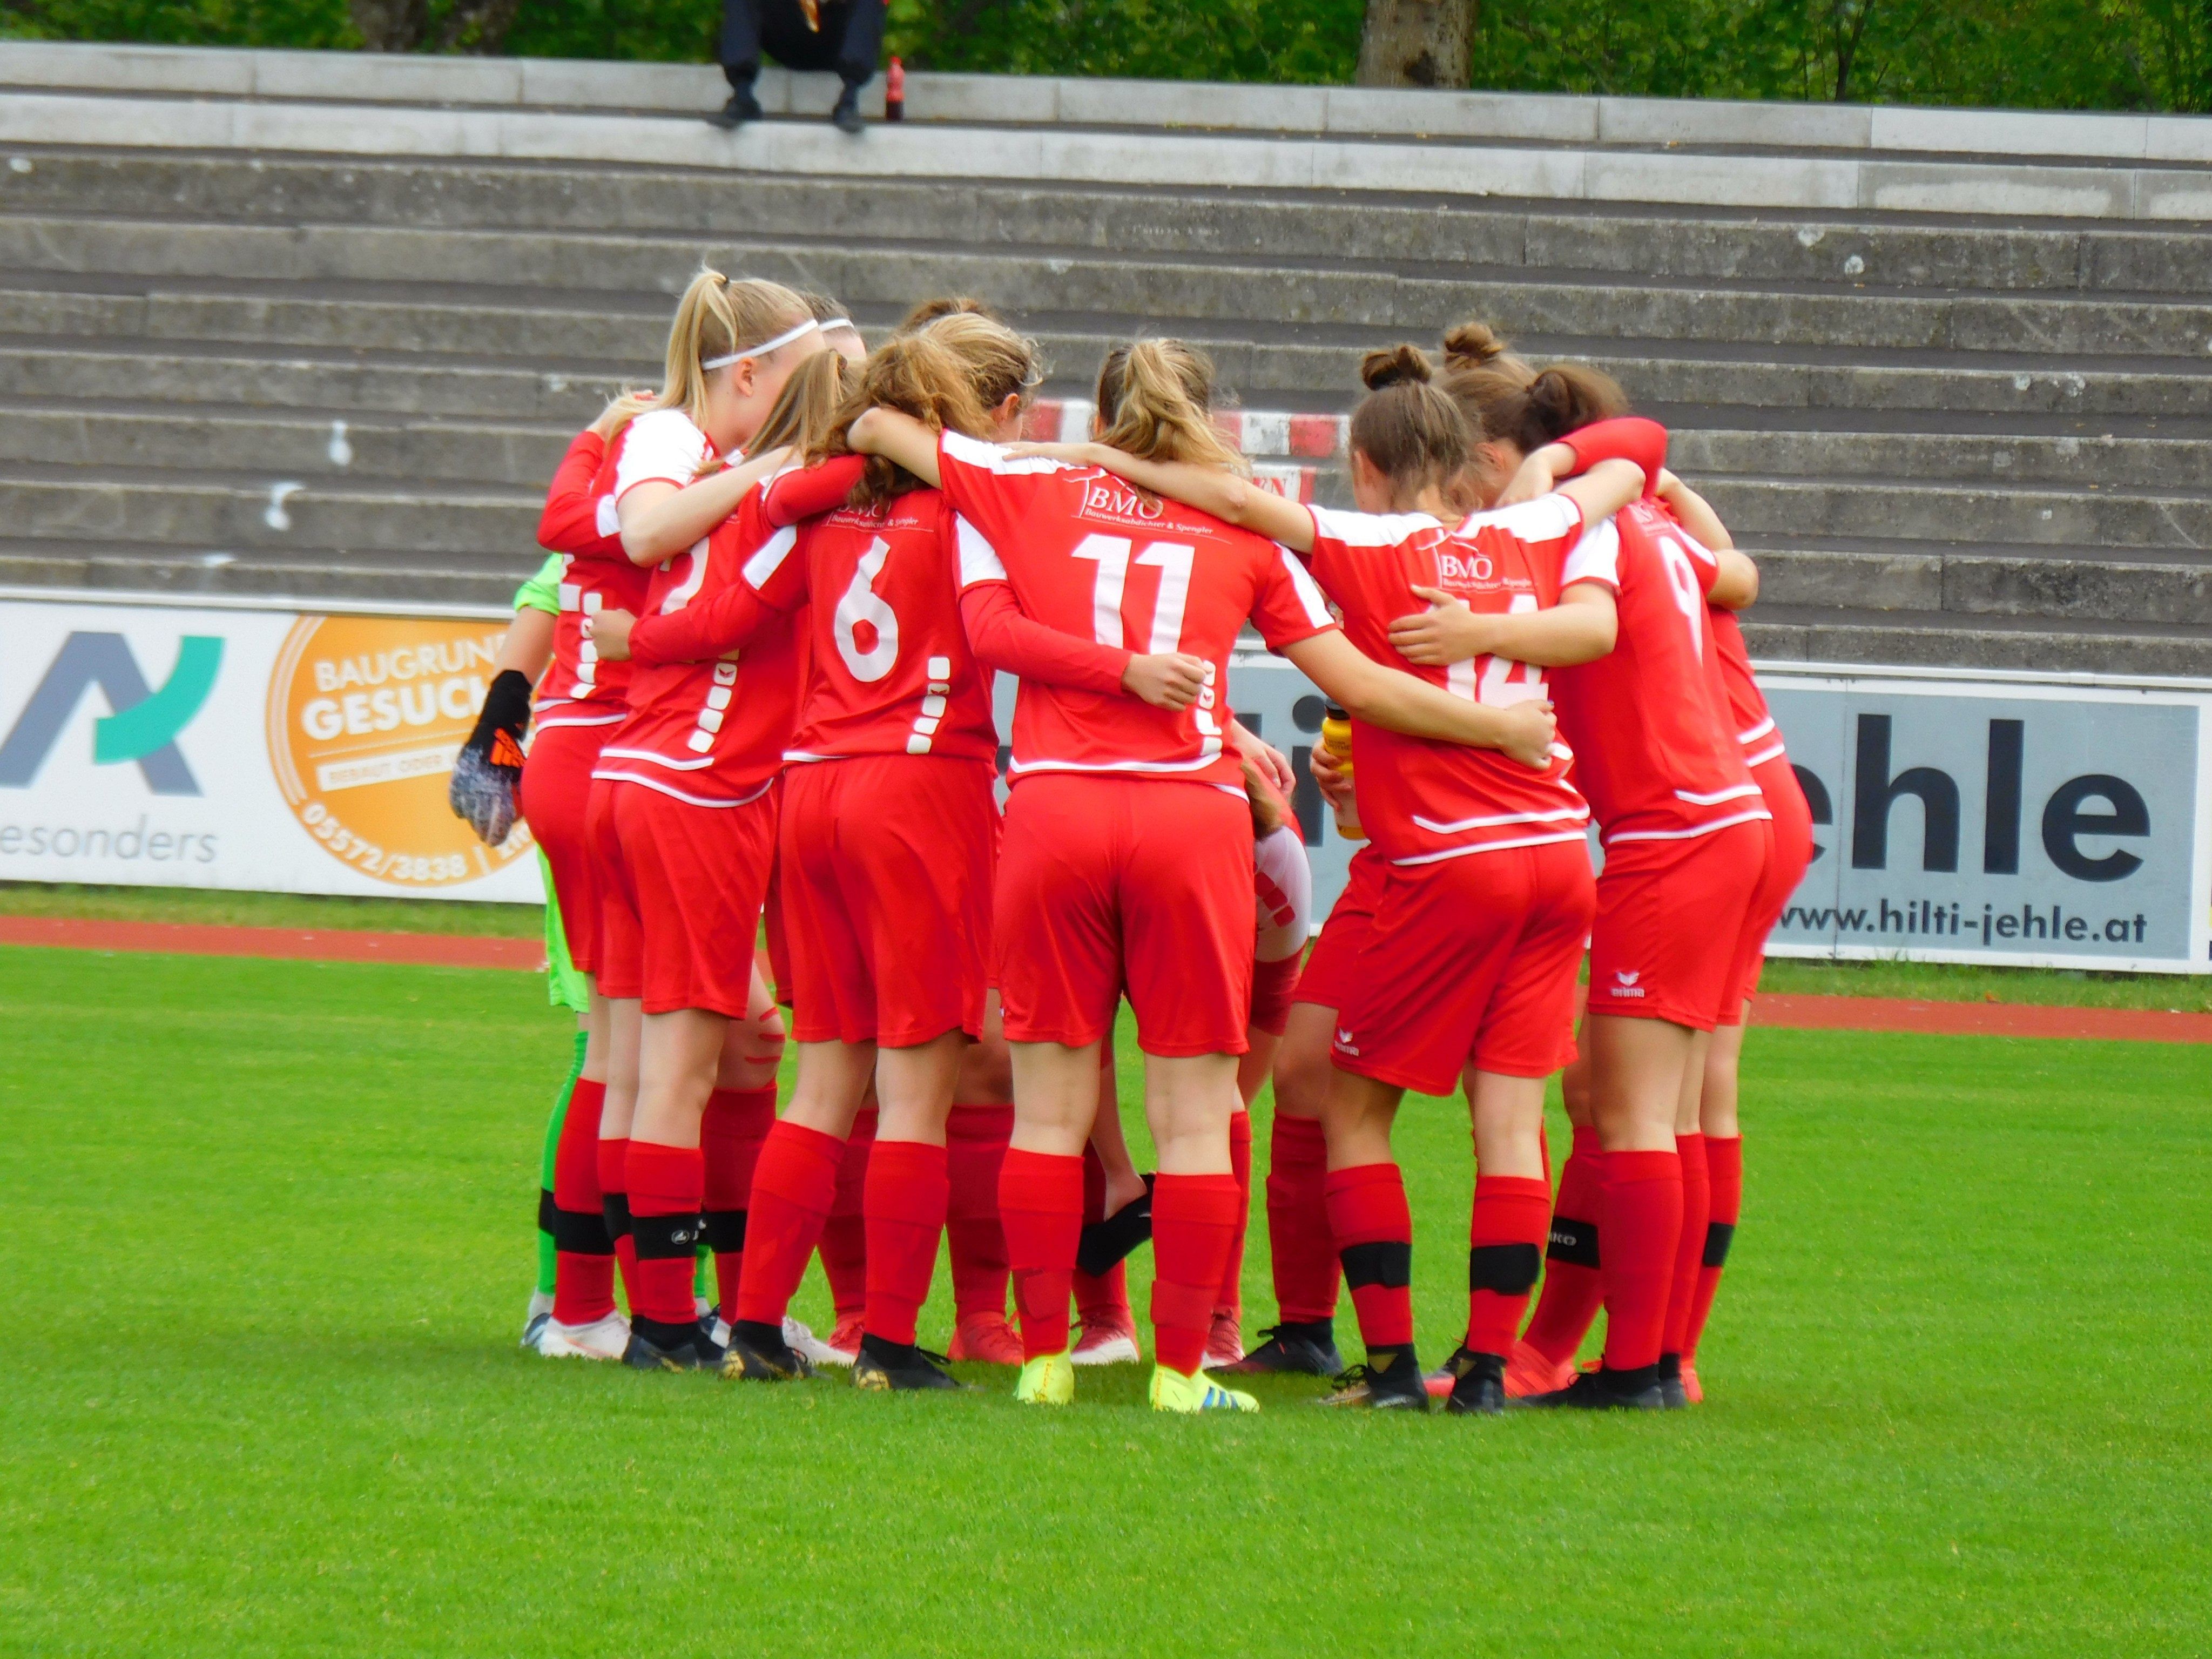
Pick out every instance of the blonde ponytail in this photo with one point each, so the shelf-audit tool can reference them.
(1155, 401)
(718, 320)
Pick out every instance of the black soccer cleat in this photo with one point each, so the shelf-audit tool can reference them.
(846, 118)
(885, 1367)
(742, 108)
(1103, 1244)
(654, 1346)
(1636, 1390)
(1308, 1350)
(1671, 1383)
(1478, 1387)
(1396, 1385)
(758, 1354)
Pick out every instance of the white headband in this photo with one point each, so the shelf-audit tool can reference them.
(764, 347)
(837, 323)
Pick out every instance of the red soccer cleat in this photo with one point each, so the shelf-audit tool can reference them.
(1224, 1342)
(1105, 1342)
(1528, 1372)
(988, 1339)
(1691, 1391)
(843, 1345)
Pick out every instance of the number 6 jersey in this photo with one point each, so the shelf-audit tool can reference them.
(1092, 556)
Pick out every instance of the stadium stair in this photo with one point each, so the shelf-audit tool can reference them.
(320, 326)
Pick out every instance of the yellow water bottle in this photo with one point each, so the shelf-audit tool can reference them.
(1336, 738)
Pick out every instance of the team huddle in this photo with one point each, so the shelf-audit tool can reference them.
(756, 681)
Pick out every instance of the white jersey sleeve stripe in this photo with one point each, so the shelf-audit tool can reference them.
(1308, 591)
(1546, 518)
(975, 452)
(979, 560)
(763, 566)
(1595, 557)
(1371, 529)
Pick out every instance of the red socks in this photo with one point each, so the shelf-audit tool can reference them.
(1724, 1170)
(1299, 1244)
(845, 1235)
(1642, 1224)
(583, 1259)
(1690, 1247)
(1041, 1207)
(1505, 1248)
(665, 1187)
(794, 1183)
(1230, 1298)
(1102, 1303)
(736, 1122)
(1194, 1219)
(1572, 1288)
(1374, 1233)
(974, 1145)
(614, 1207)
(905, 1204)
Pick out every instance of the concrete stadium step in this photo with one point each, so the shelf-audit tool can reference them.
(1822, 247)
(1937, 639)
(2049, 515)
(380, 575)
(1970, 581)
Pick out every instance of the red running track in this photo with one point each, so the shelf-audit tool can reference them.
(1817, 1013)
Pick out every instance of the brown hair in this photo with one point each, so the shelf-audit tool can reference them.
(806, 411)
(715, 318)
(1505, 398)
(949, 305)
(917, 375)
(1408, 429)
(1001, 363)
(1156, 402)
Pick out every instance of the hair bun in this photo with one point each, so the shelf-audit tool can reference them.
(1394, 367)
(1472, 343)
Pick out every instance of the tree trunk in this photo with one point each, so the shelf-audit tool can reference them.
(391, 25)
(1416, 43)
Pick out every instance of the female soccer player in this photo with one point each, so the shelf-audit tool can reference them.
(1484, 895)
(1127, 860)
(1685, 840)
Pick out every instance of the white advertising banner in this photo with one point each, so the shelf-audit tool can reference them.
(164, 743)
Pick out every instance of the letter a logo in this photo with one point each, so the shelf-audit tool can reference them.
(144, 726)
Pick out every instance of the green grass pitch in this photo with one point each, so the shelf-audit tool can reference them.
(267, 1244)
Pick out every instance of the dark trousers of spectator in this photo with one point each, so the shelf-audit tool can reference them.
(849, 42)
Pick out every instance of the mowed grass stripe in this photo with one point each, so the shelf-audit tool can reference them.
(269, 1236)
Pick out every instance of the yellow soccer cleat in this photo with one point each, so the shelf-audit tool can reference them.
(1047, 1380)
(1174, 1392)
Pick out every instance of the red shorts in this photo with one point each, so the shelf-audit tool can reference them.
(886, 874)
(1470, 962)
(1669, 914)
(1274, 987)
(777, 938)
(556, 786)
(1328, 979)
(1113, 885)
(621, 939)
(692, 877)
(1786, 864)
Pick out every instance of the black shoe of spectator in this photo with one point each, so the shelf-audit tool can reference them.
(742, 108)
(846, 118)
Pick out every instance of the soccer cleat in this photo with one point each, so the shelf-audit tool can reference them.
(1439, 1381)
(1304, 1350)
(1602, 1390)
(1224, 1341)
(846, 118)
(1671, 1383)
(603, 1339)
(1691, 1392)
(1529, 1372)
(986, 1338)
(1103, 1244)
(540, 1313)
(742, 108)
(1047, 1380)
(1395, 1385)
(1479, 1390)
(1172, 1391)
(758, 1354)
(843, 1345)
(1102, 1344)
(798, 1335)
(883, 1367)
(654, 1346)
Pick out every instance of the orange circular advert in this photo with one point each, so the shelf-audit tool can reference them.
(365, 714)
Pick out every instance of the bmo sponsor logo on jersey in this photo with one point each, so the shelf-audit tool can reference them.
(1110, 500)
(137, 749)
(2024, 820)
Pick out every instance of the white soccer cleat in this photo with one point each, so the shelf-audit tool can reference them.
(603, 1339)
(801, 1338)
(1107, 1347)
(533, 1322)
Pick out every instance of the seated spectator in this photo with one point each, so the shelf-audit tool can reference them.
(844, 35)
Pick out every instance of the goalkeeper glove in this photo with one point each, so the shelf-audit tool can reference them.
(489, 769)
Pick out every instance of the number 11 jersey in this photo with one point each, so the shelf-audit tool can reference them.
(1092, 556)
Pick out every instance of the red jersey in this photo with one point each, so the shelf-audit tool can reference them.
(712, 733)
(890, 672)
(1422, 801)
(1092, 556)
(1746, 704)
(580, 524)
(1657, 753)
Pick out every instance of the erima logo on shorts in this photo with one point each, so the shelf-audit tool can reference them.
(1344, 1041)
(1624, 985)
